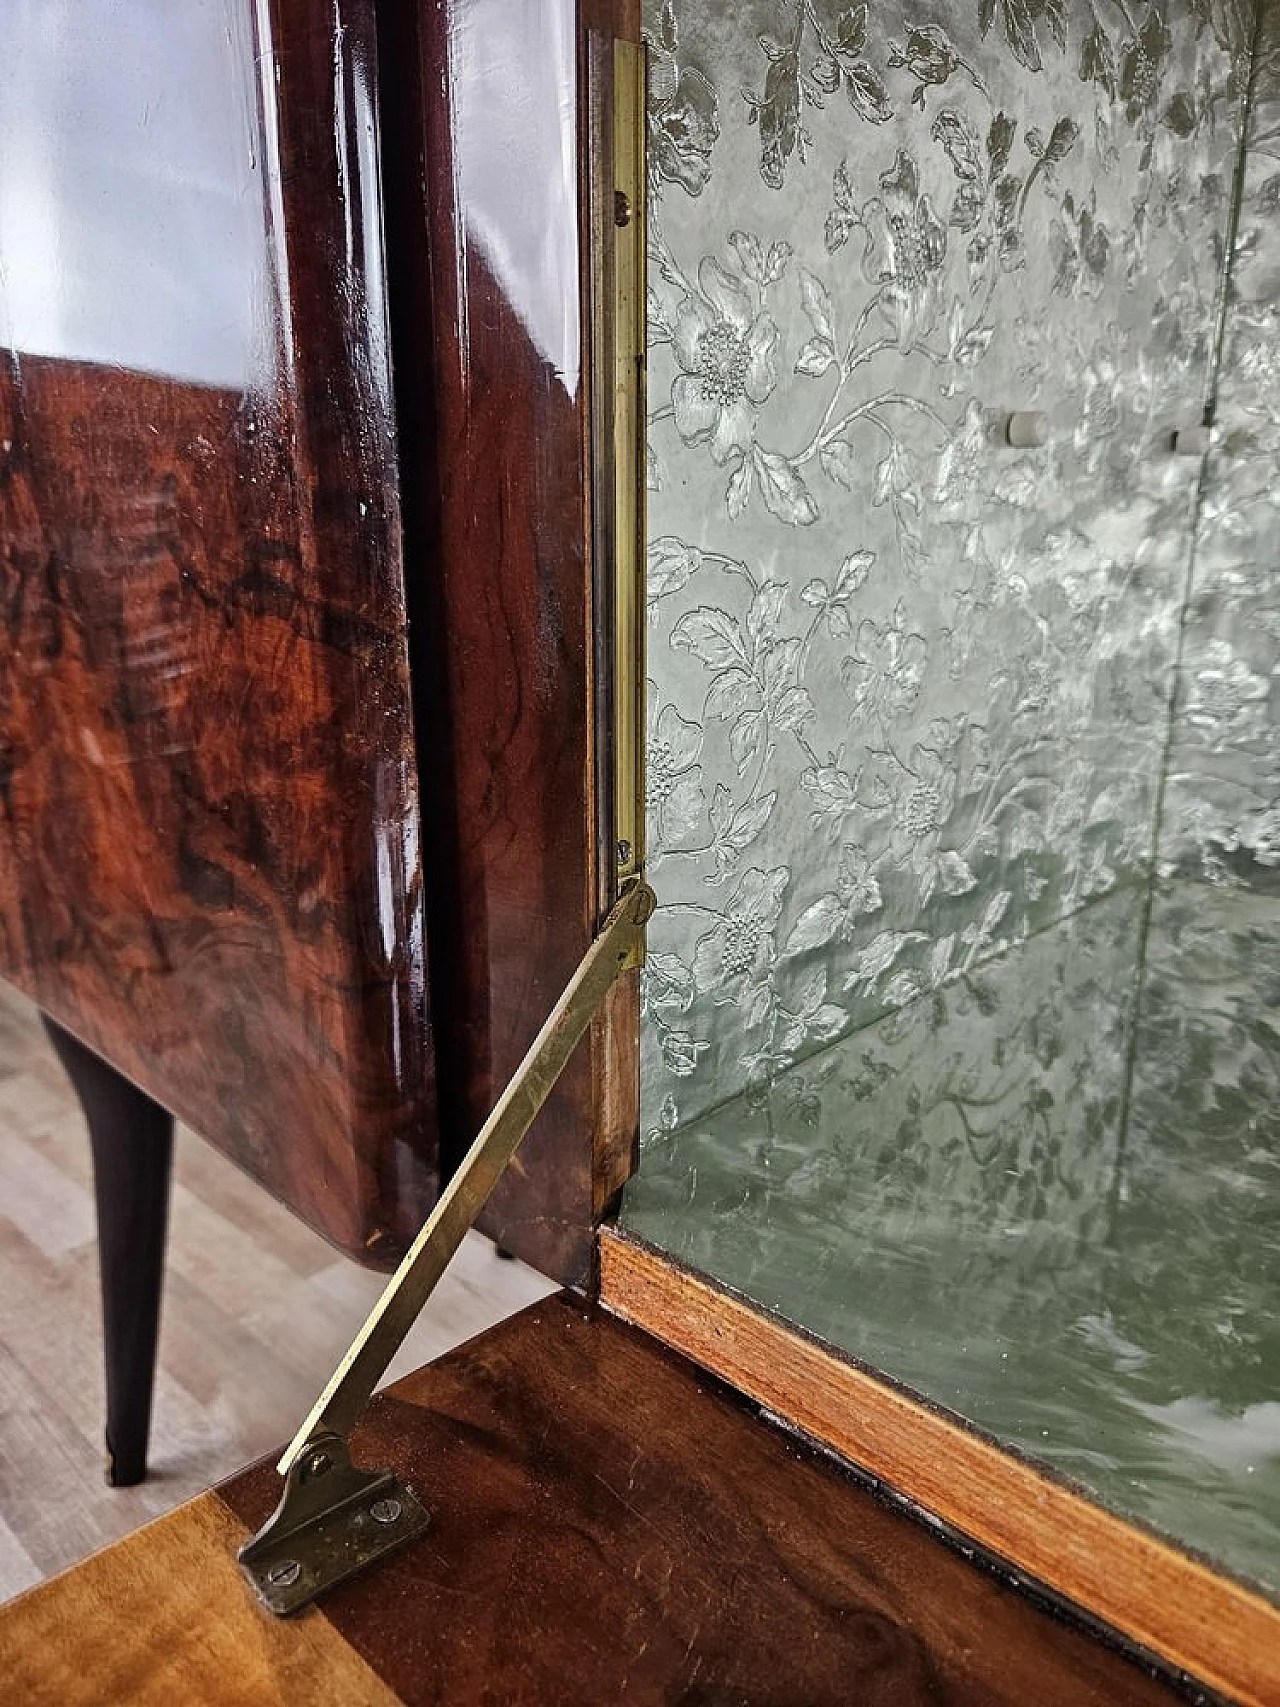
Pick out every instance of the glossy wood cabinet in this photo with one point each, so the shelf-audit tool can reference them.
(495, 249)
(298, 769)
(304, 747)
(210, 855)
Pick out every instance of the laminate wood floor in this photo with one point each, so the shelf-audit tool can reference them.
(257, 1310)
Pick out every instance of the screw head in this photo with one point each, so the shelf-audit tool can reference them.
(318, 1463)
(624, 852)
(385, 1511)
(621, 208)
(284, 1573)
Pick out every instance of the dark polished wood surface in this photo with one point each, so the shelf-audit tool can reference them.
(210, 865)
(490, 248)
(610, 1525)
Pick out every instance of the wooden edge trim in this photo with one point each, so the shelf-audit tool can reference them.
(162, 1616)
(1169, 1603)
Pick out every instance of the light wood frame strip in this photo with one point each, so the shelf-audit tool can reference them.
(1169, 1603)
(163, 1616)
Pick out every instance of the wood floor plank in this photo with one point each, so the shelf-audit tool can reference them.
(51, 1211)
(49, 1325)
(18, 1570)
(42, 1500)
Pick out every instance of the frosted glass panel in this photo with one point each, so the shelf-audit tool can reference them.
(961, 1041)
(1221, 817)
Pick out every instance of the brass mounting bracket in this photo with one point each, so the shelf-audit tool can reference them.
(333, 1518)
(331, 1522)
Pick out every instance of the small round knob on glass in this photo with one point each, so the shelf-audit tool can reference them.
(1193, 441)
(1027, 429)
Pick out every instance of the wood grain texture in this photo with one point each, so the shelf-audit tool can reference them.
(1202, 1623)
(209, 847)
(608, 1526)
(489, 266)
(132, 1625)
(616, 1138)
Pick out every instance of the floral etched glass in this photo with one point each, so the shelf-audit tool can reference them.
(960, 1036)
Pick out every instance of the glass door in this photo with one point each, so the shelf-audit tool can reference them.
(960, 1032)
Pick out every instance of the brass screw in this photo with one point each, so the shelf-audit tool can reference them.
(624, 852)
(621, 208)
(285, 1573)
(385, 1511)
(318, 1463)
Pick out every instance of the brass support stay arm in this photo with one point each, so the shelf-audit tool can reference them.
(334, 1518)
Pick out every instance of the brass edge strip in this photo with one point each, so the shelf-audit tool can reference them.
(629, 454)
(1167, 1602)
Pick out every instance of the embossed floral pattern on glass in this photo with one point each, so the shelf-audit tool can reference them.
(1222, 812)
(1056, 1222)
(961, 1035)
(912, 684)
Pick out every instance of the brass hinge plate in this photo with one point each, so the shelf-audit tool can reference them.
(331, 1522)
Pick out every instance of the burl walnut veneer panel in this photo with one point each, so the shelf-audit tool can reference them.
(210, 859)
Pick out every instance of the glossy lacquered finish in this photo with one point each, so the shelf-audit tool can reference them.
(488, 162)
(210, 861)
(609, 1525)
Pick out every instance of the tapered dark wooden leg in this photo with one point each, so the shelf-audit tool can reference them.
(132, 1139)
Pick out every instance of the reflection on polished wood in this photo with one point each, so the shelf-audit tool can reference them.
(209, 860)
(257, 1309)
(209, 772)
(607, 1526)
(490, 256)
(1150, 1592)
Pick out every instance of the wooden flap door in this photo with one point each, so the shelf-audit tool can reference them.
(211, 866)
